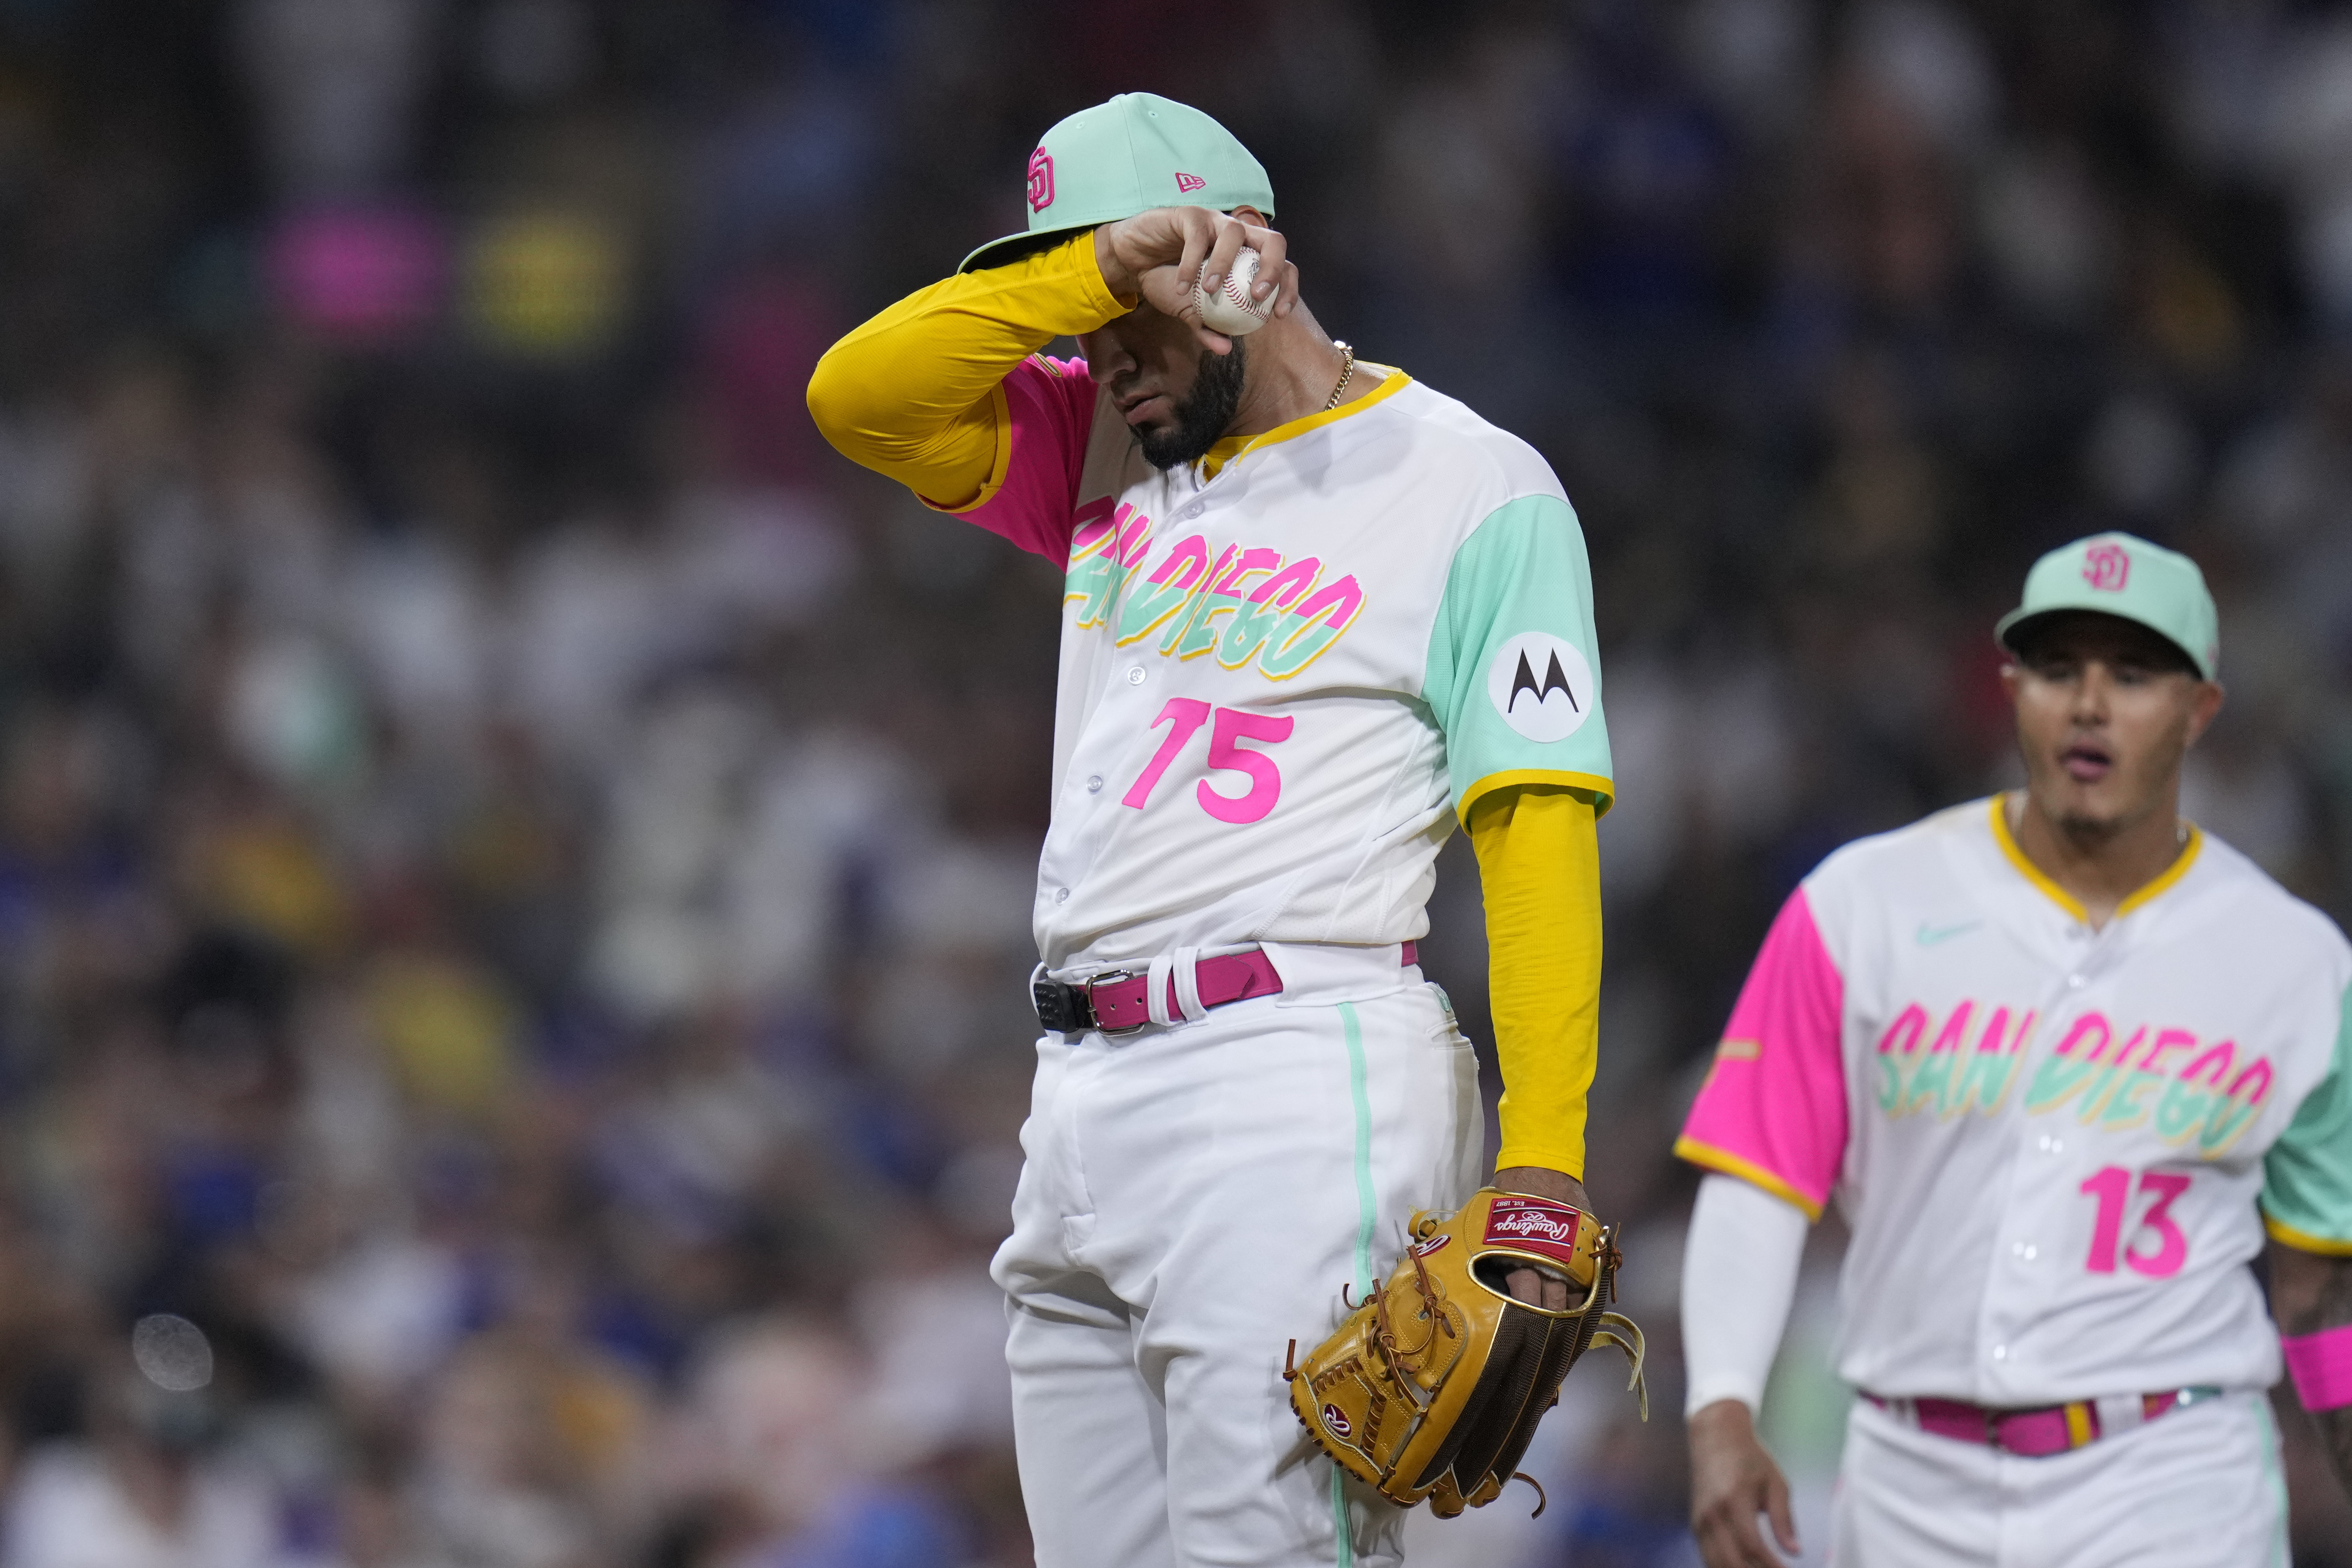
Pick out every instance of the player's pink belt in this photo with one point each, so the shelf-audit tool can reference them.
(1119, 1002)
(2038, 1434)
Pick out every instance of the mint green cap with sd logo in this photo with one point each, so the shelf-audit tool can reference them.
(1138, 151)
(2120, 574)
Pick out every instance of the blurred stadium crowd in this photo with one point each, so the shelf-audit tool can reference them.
(515, 861)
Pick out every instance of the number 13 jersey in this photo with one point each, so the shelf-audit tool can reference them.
(2057, 1147)
(1287, 671)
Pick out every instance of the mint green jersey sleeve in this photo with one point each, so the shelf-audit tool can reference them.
(1514, 672)
(2307, 1175)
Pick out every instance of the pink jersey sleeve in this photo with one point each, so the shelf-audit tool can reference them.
(1773, 1110)
(1051, 405)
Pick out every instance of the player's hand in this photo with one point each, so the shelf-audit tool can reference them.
(1534, 1286)
(1157, 256)
(1733, 1479)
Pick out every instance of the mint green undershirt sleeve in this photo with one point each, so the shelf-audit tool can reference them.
(1514, 671)
(2307, 1175)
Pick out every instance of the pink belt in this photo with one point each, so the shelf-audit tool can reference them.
(1118, 1003)
(2028, 1433)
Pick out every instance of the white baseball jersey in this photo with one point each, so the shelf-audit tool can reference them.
(1280, 683)
(2050, 1140)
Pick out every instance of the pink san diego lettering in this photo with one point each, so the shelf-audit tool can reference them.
(1947, 1076)
(2115, 1080)
(1244, 604)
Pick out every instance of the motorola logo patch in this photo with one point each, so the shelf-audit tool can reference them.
(1541, 686)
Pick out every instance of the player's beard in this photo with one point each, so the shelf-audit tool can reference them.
(1202, 419)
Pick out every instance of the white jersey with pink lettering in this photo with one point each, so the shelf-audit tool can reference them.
(2057, 1146)
(1281, 683)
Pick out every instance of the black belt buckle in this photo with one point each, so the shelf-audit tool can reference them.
(1062, 1008)
(1070, 1009)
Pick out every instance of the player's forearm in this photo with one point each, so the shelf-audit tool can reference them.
(912, 393)
(1540, 863)
(2311, 1296)
(1739, 1277)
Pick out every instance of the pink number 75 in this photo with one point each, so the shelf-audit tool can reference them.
(2112, 1187)
(1184, 716)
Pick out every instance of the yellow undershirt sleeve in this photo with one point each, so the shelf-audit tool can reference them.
(914, 392)
(1540, 863)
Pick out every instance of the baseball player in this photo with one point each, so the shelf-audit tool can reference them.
(1315, 615)
(2062, 1058)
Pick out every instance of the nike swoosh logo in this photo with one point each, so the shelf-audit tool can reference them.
(1930, 935)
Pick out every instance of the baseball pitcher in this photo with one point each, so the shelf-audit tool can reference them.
(1315, 615)
(2061, 1058)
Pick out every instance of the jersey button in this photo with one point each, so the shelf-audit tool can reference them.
(1094, 784)
(1061, 895)
(2025, 1250)
(2000, 1353)
(2075, 982)
(1135, 676)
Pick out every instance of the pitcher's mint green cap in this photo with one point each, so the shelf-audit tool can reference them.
(1138, 151)
(2118, 575)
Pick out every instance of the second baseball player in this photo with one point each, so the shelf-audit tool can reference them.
(2061, 1058)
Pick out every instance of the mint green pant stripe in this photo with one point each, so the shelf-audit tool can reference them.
(1359, 1091)
(2274, 1481)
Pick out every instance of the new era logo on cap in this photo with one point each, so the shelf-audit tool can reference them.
(1041, 180)
(2106, 566)
(1188, 184)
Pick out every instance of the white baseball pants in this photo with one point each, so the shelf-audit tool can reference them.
(1194, 1197)
(2197, 1488)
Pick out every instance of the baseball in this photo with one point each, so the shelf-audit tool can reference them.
(1230, 310)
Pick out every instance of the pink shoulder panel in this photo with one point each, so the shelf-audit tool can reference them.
(1052, 406)
(1774, 1110)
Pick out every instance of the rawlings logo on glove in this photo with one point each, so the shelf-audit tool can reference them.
(1432, 1387)
(1538, 1224)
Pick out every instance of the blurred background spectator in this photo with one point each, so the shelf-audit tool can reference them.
(515, 861)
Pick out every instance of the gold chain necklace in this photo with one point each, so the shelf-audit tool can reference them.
(1347, 374)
